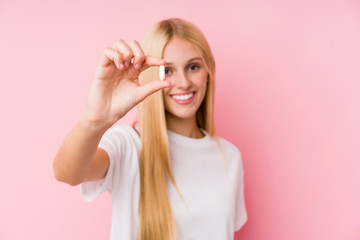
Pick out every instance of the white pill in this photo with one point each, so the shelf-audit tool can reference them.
(162, 72)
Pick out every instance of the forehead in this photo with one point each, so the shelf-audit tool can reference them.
(179, 50)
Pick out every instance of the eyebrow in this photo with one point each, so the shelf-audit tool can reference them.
(197, 58)
(190, 60)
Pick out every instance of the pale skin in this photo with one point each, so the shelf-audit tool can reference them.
(115, 90)
(186, 70)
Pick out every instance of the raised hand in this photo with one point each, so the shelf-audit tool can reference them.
(115, 89)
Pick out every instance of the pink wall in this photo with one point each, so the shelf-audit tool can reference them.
(287, 95)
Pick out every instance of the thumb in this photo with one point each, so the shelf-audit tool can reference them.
(152, 87)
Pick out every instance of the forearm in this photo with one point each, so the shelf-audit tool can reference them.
(73, 160)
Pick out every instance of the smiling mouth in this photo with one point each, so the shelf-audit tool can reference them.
(183, 97)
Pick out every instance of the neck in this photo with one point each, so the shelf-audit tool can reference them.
(186, 127)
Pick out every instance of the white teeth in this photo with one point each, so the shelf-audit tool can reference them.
(183, 97)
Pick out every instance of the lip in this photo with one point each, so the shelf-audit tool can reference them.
(183, 102)
(184, 93)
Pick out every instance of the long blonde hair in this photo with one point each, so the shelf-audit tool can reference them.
(156, 221)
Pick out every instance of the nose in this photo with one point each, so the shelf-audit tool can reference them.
(182, 81)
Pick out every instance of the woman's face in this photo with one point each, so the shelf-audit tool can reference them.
(186, 70)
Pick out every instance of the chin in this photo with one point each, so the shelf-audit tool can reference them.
(181, 114)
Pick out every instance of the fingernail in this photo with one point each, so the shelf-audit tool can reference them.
(121, 66)
(138, 66)
(126, 64)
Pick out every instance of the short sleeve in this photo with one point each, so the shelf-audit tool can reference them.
(240, 208)
(116, 143)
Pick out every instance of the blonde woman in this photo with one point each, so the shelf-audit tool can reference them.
(170, 176)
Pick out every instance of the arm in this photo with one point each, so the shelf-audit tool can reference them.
(79, 159)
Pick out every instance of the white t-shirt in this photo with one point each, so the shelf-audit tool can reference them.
(212, 187)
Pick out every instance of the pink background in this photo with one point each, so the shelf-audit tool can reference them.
(288, 86)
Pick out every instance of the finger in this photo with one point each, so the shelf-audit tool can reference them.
(138, 53)
(125, 51)
(152, 62)
(110, 56)
(152, 87)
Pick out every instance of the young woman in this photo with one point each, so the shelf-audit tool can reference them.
(170, 176)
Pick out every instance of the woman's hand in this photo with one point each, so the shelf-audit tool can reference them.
(116, 89)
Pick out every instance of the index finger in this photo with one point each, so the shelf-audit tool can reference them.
(139, 55)
(152, 62)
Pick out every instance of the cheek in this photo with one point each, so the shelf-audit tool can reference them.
(165, 97)
(164, 91)
(202, 83)
(203, 80)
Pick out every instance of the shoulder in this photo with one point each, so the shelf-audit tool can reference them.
(232, 154)
(229, 148)
(124, 130)
(122, 134)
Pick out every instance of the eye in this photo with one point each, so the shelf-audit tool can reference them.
(167, 71)
(194, 67)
